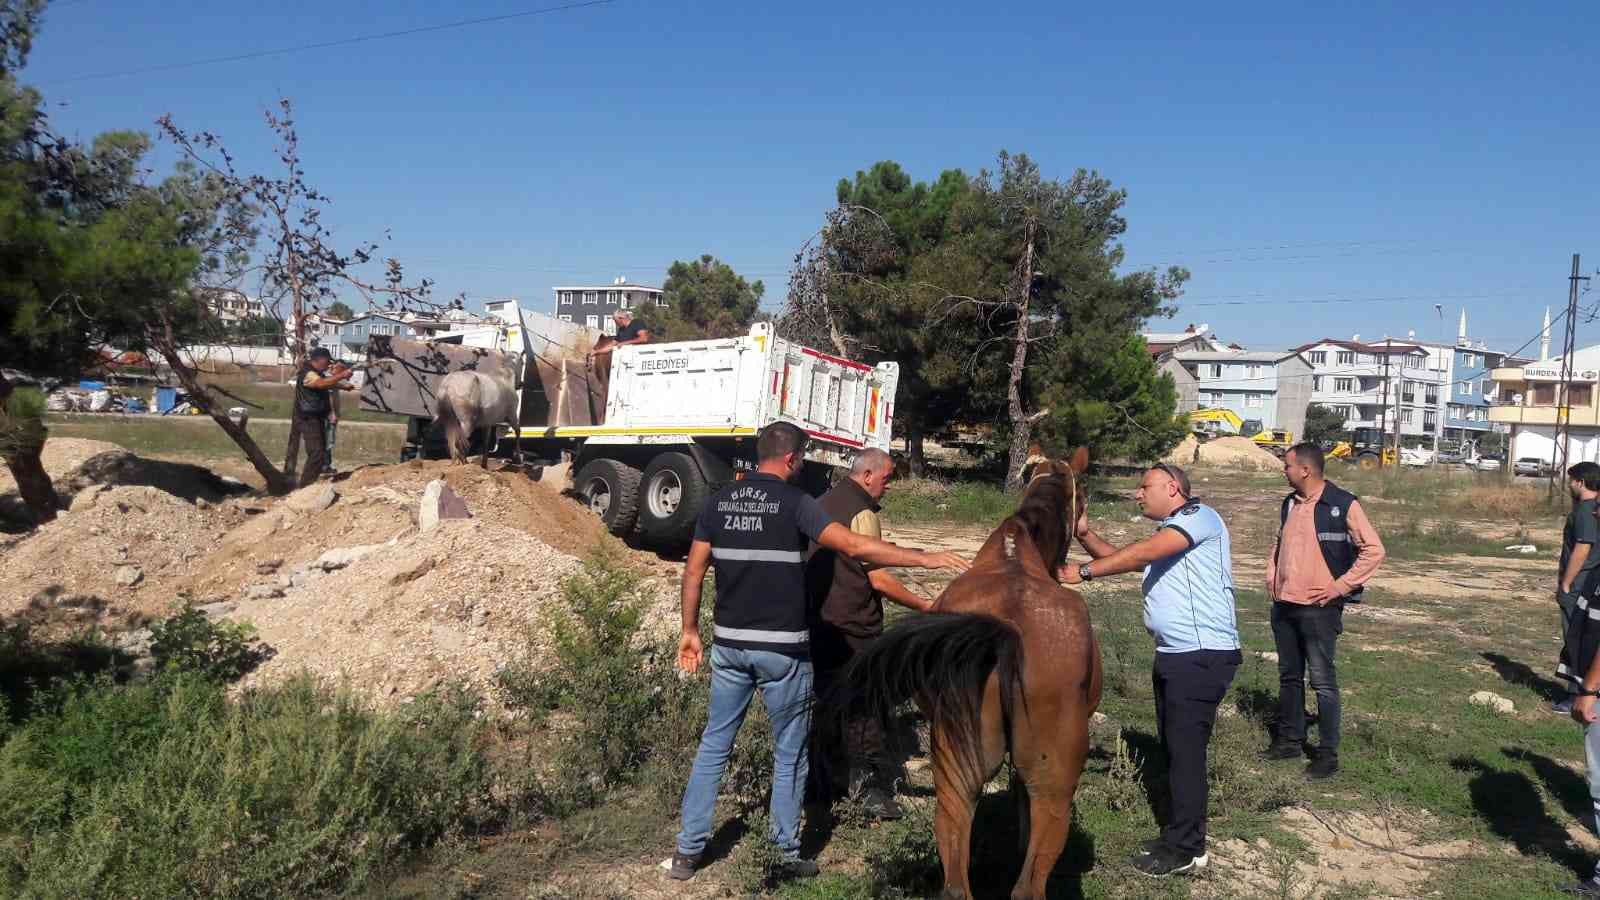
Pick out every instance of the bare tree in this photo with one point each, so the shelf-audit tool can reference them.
(268, 230)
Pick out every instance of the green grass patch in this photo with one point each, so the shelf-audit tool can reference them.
(277, 402)
(1416, 538)
(200, 438)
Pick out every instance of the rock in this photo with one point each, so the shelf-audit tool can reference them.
(128, 576)
(220, 608)
(1098, 718)
(339, 557)
(285, 580)
(312, 498)
(263, 592)
(134, 643)
(85, 499)
(440, 503)
(1493, 700)
(480, 617)
(268, 566)
(1268, 656)
(411, 573)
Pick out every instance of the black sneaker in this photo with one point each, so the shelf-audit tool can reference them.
(796, 868)
(1164, 861)
(880, 804)
(1284, 750)
(1589, 888)
(1322, 766)
(683, 866)
(1149, 847)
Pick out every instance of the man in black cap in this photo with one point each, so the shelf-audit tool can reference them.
(319, 377)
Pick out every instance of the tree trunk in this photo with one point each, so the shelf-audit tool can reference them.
(33, 483)
(914, 454)
(1021, 422)
(277, 483)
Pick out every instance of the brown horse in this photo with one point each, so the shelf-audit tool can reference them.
(1006, 662)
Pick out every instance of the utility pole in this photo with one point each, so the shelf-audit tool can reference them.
(1399, 397)
(1563, 430)
(1383, 416)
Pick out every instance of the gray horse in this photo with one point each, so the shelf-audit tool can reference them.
(471, 400)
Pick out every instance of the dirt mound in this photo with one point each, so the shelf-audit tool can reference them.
(123, 547)
(457, 601)
(121, 468)
(60, 457)
(1236, 452)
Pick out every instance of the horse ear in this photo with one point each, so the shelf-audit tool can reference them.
(1035, 454)
(1080, 460)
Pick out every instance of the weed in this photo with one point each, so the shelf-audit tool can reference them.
(192, 642)
(167, 787)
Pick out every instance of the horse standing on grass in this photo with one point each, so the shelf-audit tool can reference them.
(470, 400)
(1006, 661)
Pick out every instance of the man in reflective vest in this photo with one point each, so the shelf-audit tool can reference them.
(1325, 551)
(756, 532)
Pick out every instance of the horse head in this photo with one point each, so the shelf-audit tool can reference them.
(1053, 500)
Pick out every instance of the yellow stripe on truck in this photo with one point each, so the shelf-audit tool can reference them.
(597, 431)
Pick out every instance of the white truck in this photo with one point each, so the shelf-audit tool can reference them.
(678, 420)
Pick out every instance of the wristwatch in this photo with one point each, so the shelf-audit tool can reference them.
(1084, 573)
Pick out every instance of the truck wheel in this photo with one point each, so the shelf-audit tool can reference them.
(674, 492)
(1368, 461)
(611, 489)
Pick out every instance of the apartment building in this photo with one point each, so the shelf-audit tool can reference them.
(232, 306)
(1530, 404)
(1372, 383)
(592, 305)
(1270, 386)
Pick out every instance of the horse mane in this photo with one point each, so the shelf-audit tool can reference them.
(1043, 517)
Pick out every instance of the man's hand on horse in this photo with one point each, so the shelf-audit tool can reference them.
(690, 652)
(1067, 573)
(944, 559)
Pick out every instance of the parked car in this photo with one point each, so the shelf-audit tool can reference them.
(1450, 457)
(1531, 465)
(1488, 464)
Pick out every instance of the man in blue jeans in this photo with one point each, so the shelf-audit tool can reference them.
(755, 531)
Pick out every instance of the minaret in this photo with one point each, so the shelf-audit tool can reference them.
(1544, 336)
(1461, 331)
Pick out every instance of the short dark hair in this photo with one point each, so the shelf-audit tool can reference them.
(1178, 476)
(319, 353)
(1309, 455)
(779, 439)
(1586, 472)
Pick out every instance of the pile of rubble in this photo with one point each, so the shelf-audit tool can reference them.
(1233, 452)
(389, 579)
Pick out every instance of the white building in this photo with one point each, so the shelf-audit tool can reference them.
(232, 306)
(1531, 404)
(1372, 383)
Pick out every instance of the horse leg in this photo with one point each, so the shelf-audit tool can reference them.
(1051, 761)
(1019, 796)
(957, 789)
(483, 455)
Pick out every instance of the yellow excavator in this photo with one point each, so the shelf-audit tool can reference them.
(1213, 422)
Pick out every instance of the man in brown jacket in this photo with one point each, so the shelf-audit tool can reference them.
(1325, 551)
(850, 618)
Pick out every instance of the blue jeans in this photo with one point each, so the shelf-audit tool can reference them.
(785, 684)
(1591, 758)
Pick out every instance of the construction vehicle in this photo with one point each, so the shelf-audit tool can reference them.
(1367, 448)
(676, 421)
(1214, 422)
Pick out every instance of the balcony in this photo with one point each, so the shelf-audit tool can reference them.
(1509, 414)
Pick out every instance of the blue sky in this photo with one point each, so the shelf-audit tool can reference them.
(1347, 152)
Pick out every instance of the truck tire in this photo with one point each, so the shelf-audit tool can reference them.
(1368, 460)
(611, 489)
(673, 494)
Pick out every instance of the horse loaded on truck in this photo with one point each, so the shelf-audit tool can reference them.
(673, 422)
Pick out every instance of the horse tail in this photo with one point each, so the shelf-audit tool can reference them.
(943, 660)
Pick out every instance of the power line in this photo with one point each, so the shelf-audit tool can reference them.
(342, 42)
(1398, 298)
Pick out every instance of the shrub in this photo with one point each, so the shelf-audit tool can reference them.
(167, 788)
(192, 642)
(618, 711)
